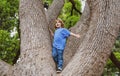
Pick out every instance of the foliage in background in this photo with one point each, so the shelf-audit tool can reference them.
(8, 46)
(110, 68)
(8, 14)
(68, 16)
(8, 21)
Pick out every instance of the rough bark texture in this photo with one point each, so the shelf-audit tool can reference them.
(35, 58)
(95, 48)
(4, 68)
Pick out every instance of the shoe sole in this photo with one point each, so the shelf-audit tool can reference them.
(58, 71)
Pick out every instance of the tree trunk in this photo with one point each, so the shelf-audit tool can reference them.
(94, 51)
(4, 68)
(35, 56)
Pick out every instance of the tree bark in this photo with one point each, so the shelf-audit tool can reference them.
(35, 55)
(91, 56)
(4, 68)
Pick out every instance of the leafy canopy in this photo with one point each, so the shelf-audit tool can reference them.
(8, 20)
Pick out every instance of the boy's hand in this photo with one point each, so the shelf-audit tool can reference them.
(77, 35)
(51, 32)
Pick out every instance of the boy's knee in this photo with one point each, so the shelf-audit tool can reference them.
(60, 58)
(54, 54)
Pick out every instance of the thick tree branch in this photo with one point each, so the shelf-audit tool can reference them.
(4, 68)
(35, 51)
(115, 60)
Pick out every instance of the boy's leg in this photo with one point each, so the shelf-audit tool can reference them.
(54, 55)
(60, 59)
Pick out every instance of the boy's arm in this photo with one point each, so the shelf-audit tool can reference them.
(51, 32)
(75, 35)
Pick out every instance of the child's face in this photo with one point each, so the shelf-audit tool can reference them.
(58, 24)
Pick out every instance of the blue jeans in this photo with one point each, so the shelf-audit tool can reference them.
(57, 55)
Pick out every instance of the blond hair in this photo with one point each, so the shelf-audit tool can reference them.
(59, 20)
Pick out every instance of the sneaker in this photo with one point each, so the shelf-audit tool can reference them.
(59, 70)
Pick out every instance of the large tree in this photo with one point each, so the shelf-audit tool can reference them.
(87, 56)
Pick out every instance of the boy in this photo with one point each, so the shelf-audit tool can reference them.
(59, 42)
